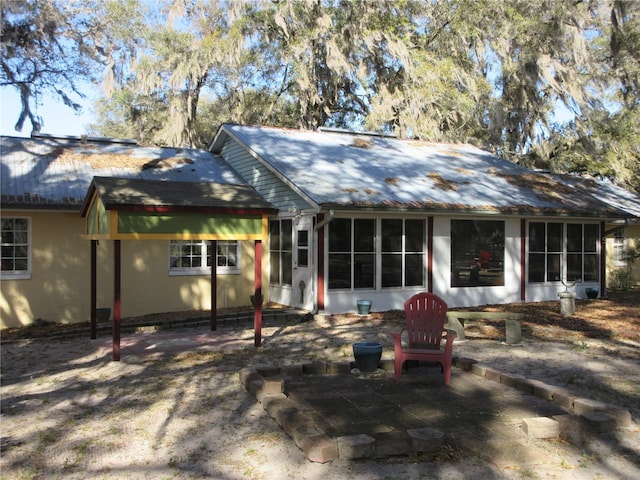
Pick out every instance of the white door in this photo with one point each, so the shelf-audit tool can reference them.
(303, 282)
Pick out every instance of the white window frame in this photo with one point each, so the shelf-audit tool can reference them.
(203, 269)
(619, 249)
(19, 274)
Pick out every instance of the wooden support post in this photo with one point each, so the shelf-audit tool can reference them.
(523, 261)
(213, 244)
(94, 283)
(257, 298)
(117, 262)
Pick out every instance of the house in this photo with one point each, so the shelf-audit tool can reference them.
(340, 217)
(163, 208)
(365, 216)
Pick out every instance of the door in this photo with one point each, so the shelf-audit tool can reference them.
(303, 285)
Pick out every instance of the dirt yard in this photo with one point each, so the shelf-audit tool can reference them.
(69, 412)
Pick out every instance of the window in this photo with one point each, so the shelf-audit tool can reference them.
(303, 248)
(545, 252)
(281, 252)
(402, 253)
(358, 255)
(558, 251)
(15, 256)
(619, 249)
(188, 257)
(352, 253)
(477, 253)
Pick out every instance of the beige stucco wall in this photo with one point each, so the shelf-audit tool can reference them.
(624, 275)
(59, 288)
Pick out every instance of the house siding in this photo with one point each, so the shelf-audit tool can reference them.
(59, 287)
(263, 180)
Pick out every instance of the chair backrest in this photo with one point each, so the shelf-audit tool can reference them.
(425, 315)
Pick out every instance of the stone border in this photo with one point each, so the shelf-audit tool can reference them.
(585, 417)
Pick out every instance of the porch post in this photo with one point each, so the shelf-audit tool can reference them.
(523, 261)
(430, 254)
(213, 244)
(257, 301)
(116, 299)
(603, 262)
(94, 273)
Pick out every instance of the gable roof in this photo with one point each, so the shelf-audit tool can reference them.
(338, 169)
(45, 172)
(156, 195)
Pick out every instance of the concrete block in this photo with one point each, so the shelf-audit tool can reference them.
(292, 370)
(392, 443)
(268, 370)
(509, 379)
(541, 427)
(356, 446)
(320, 449)
(543, 390)
(254, 386)
(586, 405)
(563, 398)
(599, 422)
(267, 399)
(247, 375)
(524, 385)
(425, 439)
(272, 385)
(622, 416)
(338, 368)
(276, 405)
(479, 369)
(316, 368)
(513, 329)
(571, 428)
(492, 374)
(464, 363)
(302, 431)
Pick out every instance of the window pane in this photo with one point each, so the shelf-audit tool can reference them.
(21, 264)
(591, 268)
(554, 266)
(414, 270)
(477, 252)
(287, 268)
(537, 237)
(303, 238)
(574, 238)
(391, 235)
(536, 267)
(340, 235)
(287, 235)
(554, 240)
(274, 263)
(391, 270)
(364, 274)
(591, 238)
(414, 235)
(274, 235)
(364, 235)
(574, 267)
(340, 270)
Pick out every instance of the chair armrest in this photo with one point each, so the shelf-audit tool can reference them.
(397, 341)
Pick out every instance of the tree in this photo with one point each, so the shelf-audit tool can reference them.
(49, 47)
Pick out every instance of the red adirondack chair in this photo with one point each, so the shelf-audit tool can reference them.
(426, 315)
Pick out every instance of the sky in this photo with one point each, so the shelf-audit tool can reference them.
(59, 120)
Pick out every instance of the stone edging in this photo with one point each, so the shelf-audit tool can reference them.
(585, 417)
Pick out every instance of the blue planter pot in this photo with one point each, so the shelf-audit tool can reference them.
(364, 307)
(367, 355)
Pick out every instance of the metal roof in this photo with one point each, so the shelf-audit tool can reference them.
(55, 173)
(127, 193)
(337, 169)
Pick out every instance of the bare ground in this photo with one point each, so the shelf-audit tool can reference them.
(69, 412)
